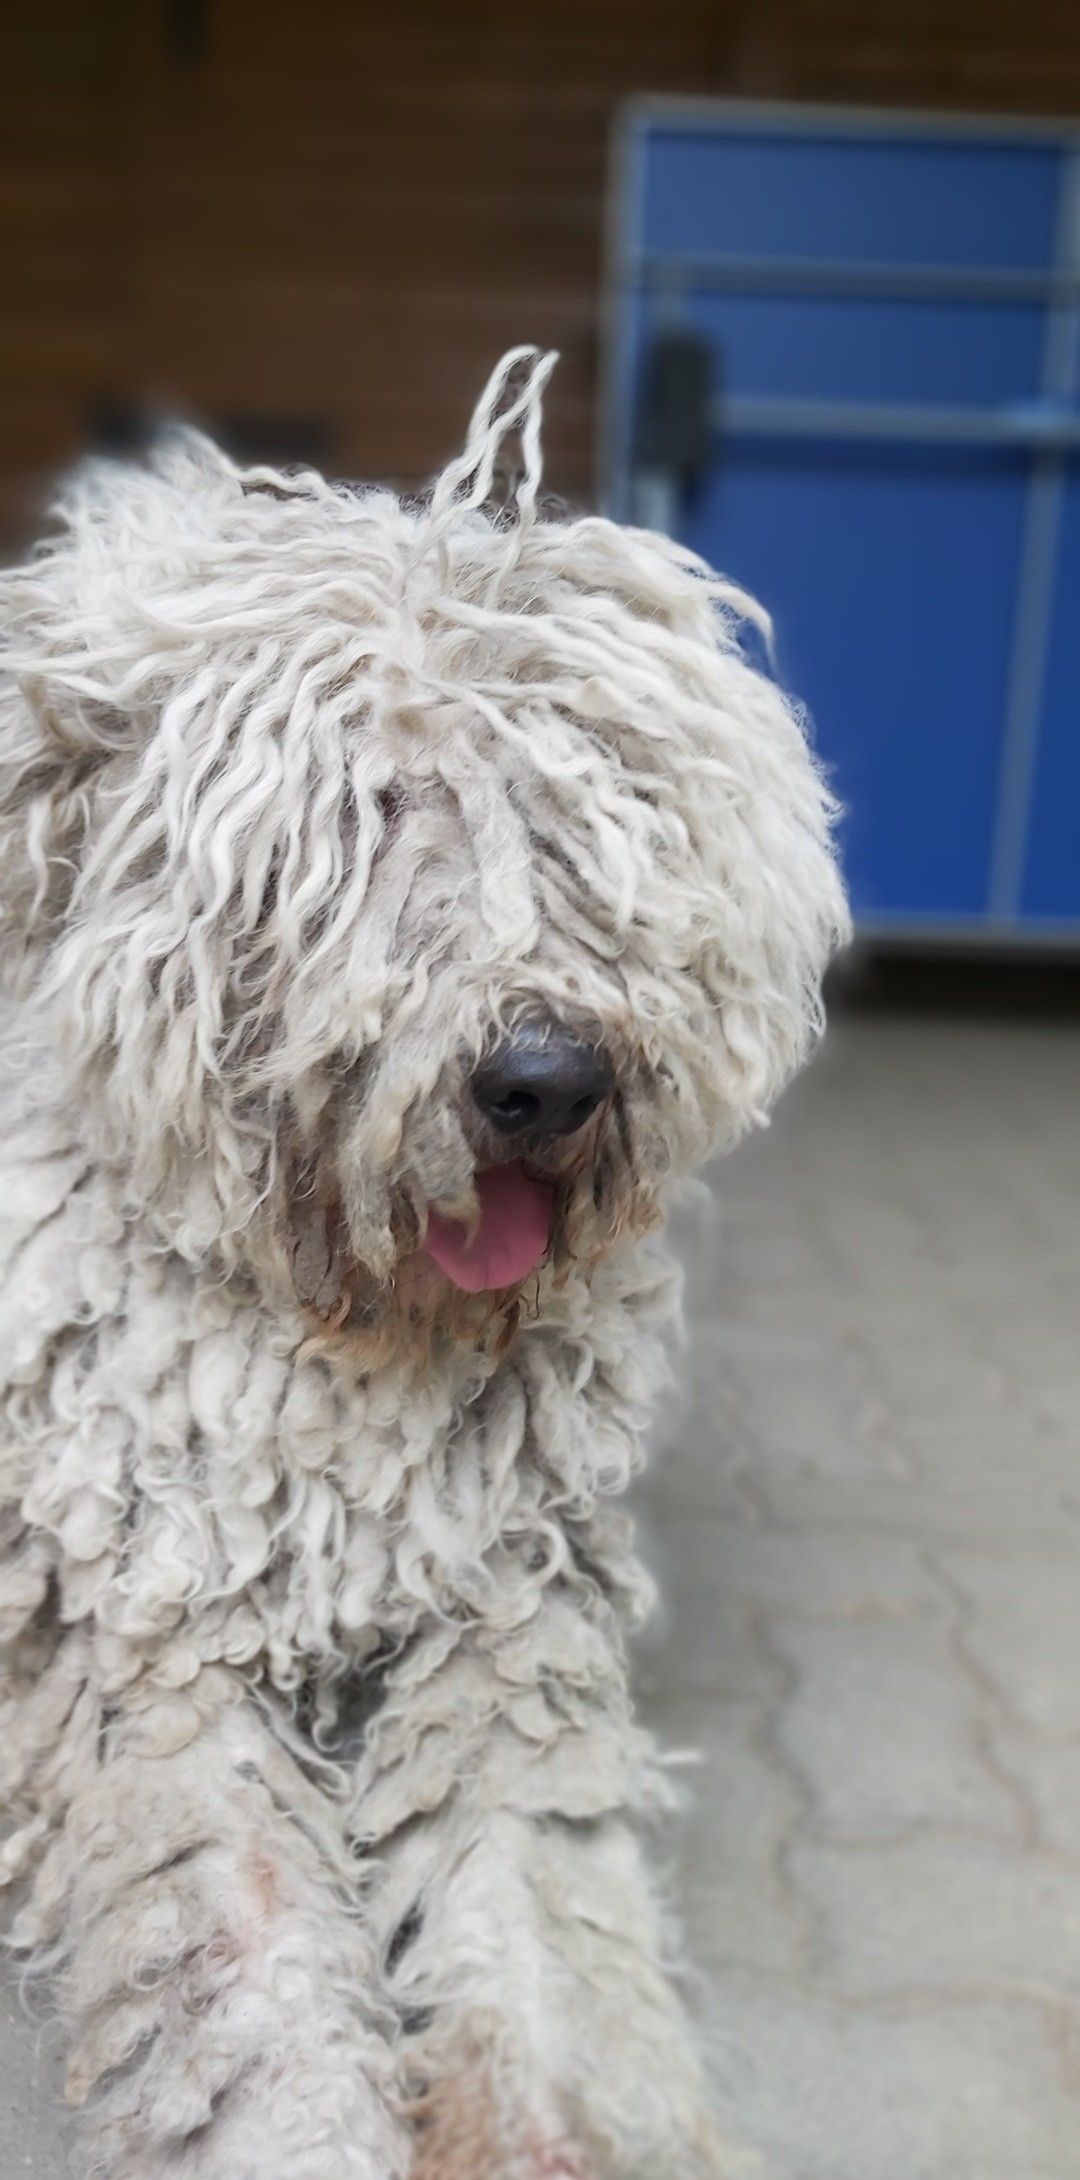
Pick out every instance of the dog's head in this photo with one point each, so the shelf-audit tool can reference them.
(418, 884)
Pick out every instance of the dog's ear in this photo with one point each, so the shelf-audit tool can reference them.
(103, 659)
(188, 818)
(80, 673)
(56, 742)
(45, 790)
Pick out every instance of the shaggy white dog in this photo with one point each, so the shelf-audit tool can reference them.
(404, 895)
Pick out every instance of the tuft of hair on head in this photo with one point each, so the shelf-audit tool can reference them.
(509, 408)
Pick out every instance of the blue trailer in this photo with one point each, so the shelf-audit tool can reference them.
(876, 321)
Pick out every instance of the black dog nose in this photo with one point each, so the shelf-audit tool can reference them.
(541, 1082)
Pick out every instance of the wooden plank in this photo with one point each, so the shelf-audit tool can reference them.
(342, 214)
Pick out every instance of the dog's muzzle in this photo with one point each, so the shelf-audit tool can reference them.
(542, 1082)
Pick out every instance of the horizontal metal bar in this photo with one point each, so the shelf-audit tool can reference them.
(884, 124)
(1016, 934)
(843, 279)
(1026, 427)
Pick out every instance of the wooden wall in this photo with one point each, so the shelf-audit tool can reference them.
(315, 223)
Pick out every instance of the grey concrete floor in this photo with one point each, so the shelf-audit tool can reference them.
(867, 1526)
(865, 1517)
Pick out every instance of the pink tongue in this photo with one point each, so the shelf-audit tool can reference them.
(514, 1230)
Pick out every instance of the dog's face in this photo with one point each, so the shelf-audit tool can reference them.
(419, 888)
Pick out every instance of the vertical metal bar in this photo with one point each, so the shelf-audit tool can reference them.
(654, 501)
(1035, 588)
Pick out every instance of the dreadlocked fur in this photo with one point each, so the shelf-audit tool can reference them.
(314, 1604)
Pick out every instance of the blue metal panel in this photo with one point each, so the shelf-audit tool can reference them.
(890, 198)
(1051, 887)
(862, 275)
(857, 552)
(899, 351)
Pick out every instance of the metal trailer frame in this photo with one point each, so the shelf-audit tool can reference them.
(1045, 429)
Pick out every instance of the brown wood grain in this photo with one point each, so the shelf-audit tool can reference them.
(319, 212)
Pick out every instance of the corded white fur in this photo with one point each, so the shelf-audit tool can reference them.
(321, 1770)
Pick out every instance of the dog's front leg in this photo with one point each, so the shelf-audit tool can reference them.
(524, 1947)
(217, 1971)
